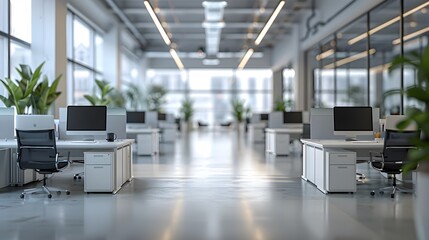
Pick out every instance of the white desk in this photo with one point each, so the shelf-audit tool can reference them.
(331, 164)
(119, 168)
(277, 140)
(147, 140)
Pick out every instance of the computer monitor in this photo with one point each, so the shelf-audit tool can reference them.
(135, 117)
(264, 116)
(292, 117)
(353, 121)
(162, 116)
(86, 120)
(35, 122)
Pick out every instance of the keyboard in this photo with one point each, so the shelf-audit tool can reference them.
(84, 141)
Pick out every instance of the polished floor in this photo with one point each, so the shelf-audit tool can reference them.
(209, 185)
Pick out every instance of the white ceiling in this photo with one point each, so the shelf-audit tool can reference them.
(183, 20)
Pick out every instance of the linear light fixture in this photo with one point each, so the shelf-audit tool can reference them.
(325, 54)
(158, 25)
(245, 58)
(410, 36)
(269, 23)
(350, 59)
(386, 24)
(176, 59)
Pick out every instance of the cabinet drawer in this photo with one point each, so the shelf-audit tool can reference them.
(98, 158)
(342, 178)
(98, 178)
(342, 158)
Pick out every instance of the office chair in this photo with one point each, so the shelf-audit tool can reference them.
(37, 150)
(393, 157)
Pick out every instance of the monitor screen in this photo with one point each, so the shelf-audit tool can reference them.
(353, 121)
(264, 116)
(292, 117)
(90, 120)
(135, 117)
(162, 117)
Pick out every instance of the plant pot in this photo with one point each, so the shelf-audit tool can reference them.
(186, 126)
(421, 209)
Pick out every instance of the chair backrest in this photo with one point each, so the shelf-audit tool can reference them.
(397, 144)
(36, 149)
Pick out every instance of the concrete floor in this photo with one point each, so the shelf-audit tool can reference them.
(210, 185)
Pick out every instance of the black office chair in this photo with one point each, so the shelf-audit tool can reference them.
(393, 157)
(37, 150)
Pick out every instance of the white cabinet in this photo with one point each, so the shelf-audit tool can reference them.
(148, 142)
(99, 174)
(330, 169)
(256, 132)
(340, 170)
(277, 142)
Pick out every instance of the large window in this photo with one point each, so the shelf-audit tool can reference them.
(213, 90)
(85, 58)
(15, 37)
(289, 87)
(350, 67)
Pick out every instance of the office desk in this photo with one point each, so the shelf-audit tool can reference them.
(277, 140)
(147, 140)
(331, 164)
(113, 175)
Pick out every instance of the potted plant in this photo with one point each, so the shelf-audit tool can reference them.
(155, 98)
(283, 105)
(44, 95)
(133, 95)
(418, 157)
(239, 112)
(20, 90)
(103, 99)
(187, 111)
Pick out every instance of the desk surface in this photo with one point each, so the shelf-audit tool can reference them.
(100, 144)
(283, 130)
(342, 144)
(142, 130)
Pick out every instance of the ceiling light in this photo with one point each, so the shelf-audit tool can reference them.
(157, 23)
(269, 23)
(176, 59)
(213, 24)
(245, 58)
(410, 36)
(211, 61)
(350, 59)
(386, 24)
(325, 54)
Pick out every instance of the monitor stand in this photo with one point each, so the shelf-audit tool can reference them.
(351, 138)
(89, 138)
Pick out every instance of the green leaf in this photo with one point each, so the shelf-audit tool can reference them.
(91, 99)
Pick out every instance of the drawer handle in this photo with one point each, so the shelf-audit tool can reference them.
(342, 155)
(341, 167)
(98, 167)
